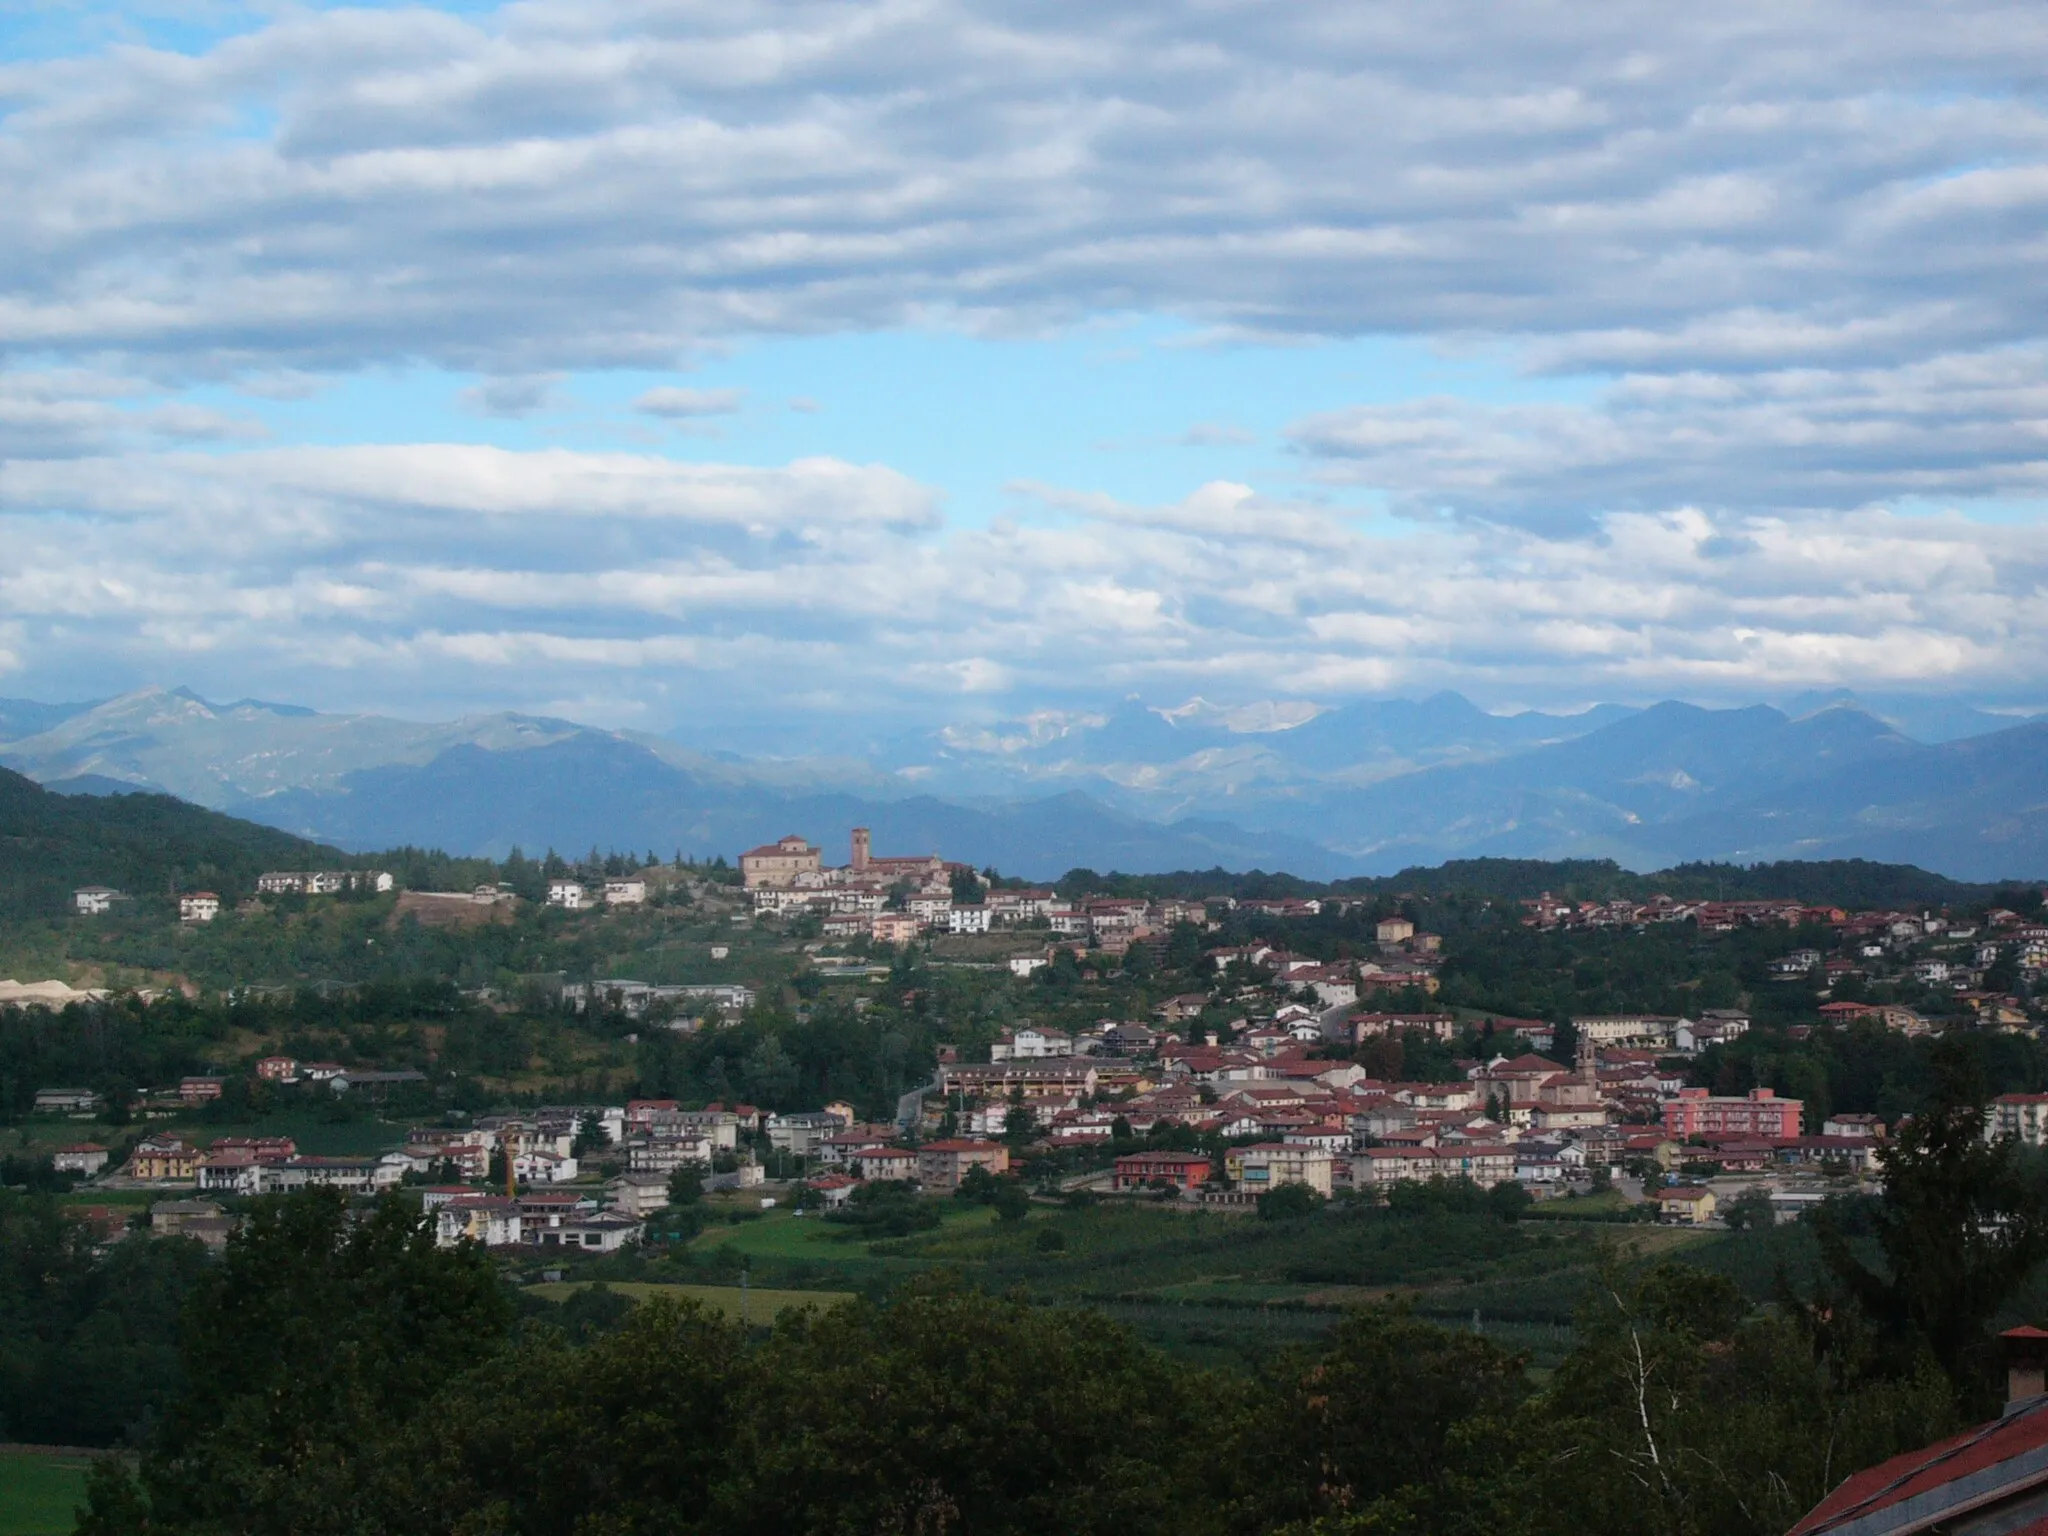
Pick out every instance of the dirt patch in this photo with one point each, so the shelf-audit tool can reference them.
(433, 910)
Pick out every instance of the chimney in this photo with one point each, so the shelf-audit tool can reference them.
(2026, 1366)
(860, 848)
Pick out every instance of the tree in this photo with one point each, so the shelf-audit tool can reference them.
(1564, 1040)
(1961, 1226)
(1378, 1416)
(1012, 1201)
(632, 1438)
(949, 1411)
(686, 1185)
(311, 1353)
(1749, 1211)
(1286, 1202)
(1681, 1410)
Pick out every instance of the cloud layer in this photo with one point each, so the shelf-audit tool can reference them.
(569, 183)
(1795, 249)
(453, 574)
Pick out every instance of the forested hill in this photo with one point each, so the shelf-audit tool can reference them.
(1853, 883)
(146, 845)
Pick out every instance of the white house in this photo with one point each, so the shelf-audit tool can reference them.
(491, 1220)
(198, 907)
(967, 919)
(85, 1159)
(94, 900)
(567, 893)
(599, 1232)
(627, 891)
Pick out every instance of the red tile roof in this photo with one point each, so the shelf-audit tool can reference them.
(1923, 1487)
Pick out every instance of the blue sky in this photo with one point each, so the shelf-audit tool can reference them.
(1138, 408)
(660, 362)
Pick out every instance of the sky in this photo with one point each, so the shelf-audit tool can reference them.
(752, 369)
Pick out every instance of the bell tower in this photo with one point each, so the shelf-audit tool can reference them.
(860, 848)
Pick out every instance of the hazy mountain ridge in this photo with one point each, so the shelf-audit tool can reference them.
(598, 791)
(1363, 789)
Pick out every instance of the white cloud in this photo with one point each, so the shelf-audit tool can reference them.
(419, 573)
(682, 404)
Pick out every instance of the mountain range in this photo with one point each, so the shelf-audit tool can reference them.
(1368, 788)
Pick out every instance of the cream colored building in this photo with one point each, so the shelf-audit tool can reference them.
(1269, 1164)
(781, 862)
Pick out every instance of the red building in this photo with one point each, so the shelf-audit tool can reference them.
(1183, 1170)
(1696, 1112)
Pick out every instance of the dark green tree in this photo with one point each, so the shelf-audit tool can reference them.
(686, 1185)
(1961, 1226)
(315, 1347)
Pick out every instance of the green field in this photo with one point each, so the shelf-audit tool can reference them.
(39, 1492)
(761, 1303)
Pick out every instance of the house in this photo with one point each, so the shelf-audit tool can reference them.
(1867, 1126)
(164, 1159)
(66, 1101)
(663, 1155)
(2021, 1117)
(1268, 1164)
(569, 894)
(1697, 1112)
(1033, 1045)
(1371, 1026)
(1145, 1170)
(803, 1135)
(638, 1194)
(230, 1171)
(893, 928)
(84, 1159)
(1646, 1029)
(543, 1167)
(1988, 1479)
(625, 891)
(833, 1189)
(943, 1164)
(492, 1220)
(967, 918)
(321, 882)
(601, 1232)
(883, 1163)
(198, 907)
(540, 1211)
(94, 900)
(1685, 1204)
(199, 1090)
(780, 863)
(359, 1175)
(1394, 930)
(375, 1084)
(277, 1069)
(201, 1220)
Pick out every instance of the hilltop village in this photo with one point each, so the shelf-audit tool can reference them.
(1311, 1073)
